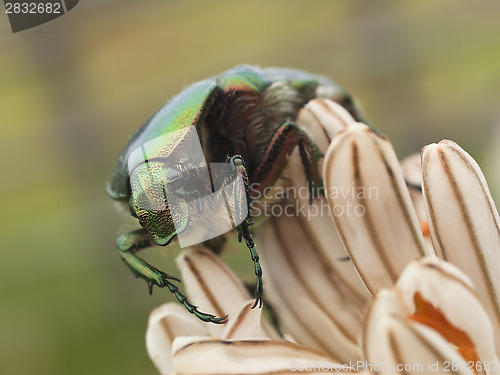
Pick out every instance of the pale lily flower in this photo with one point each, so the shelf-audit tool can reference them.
(388, 236)
(424, 325)
(427, 313)
(414, 324)
(178, 343)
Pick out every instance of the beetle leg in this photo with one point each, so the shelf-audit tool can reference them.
(131, 243)
(245, 233)
(242, 226)
(284, 141)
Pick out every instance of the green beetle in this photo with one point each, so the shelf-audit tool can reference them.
(244, 118)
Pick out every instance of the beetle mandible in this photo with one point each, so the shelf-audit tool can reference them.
(243, 117)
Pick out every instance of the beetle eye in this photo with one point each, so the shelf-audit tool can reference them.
(173, 175)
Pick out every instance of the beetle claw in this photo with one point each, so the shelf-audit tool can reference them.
(209, 318)
(175, 279)
(258, 302)
(216, 320)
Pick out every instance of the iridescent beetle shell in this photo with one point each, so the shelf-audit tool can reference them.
(244, 117)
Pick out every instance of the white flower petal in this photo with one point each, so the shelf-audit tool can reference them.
(463, 220)
(323, 119)
(313, 304)
(247, 357)
(165, 324)
(371, 205)
(448, 290)
(213, 287)
(246, 325)
(391, 341)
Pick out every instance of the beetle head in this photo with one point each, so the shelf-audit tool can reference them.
(160, 212)
(169, 180)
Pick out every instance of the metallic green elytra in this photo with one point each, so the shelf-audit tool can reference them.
(243, 119)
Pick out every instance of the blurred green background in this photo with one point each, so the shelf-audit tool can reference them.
(73, 91)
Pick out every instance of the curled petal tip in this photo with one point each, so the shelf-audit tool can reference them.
(165, 324)
(246, 325)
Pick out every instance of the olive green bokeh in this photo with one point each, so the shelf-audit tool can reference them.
(72, 91)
